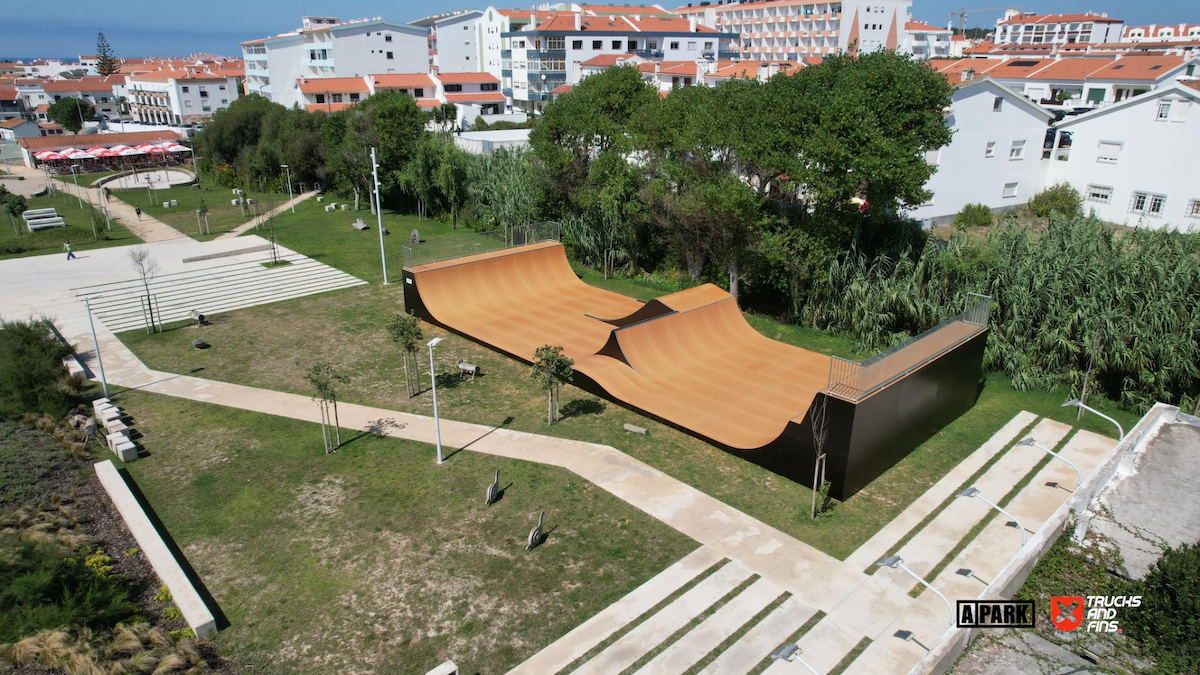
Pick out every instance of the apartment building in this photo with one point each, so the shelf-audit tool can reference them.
(1131, 160)
(994, 157)
(97, 90)
(550, 51)
(788, 30)
(926, 42)
(1157, 33)
(184, 96)
(473, 94)
(12, 106)
(1028, 28)
(327, 47)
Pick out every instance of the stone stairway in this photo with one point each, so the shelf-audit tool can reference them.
(214, 289)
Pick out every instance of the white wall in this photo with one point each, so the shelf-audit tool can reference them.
(458, 46)
(965, 175)
(1155, 157)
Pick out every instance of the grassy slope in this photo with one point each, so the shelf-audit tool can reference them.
(399, 557)
(78, 229)
(222, 216)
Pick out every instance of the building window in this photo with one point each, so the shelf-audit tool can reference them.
(1193, 209)
(222, 87)
(489, 86)
(990, 150)
(597, 44)
(387, 38)
(674, 45)
(1108, 152)
(1147, 204)
(185, 89)
(454, 87)
(1164, 112)
(616, 44)
(336, 98)
(1017, 151)
(554, 43)
(1098, 193)
(1010, 190)
(707, 46)
(998, 104)
(354, 98)
(691, 46)
(389, 55)
(576, 44)
(418, 92)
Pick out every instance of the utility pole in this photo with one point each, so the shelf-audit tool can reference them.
(379, 213)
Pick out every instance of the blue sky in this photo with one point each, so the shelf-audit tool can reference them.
(68, 28)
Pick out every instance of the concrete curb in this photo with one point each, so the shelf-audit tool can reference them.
(166, 566)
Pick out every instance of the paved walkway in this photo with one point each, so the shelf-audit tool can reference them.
(244, 227)
(147, 228)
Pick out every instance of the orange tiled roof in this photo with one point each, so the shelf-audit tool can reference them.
(335, 85)
(604, 60)
(643, 10)
(466, 78)
(167, 75)
(327, 107)
(563, 89)
(1018, 68)
(107, 140)
(752, 69)
(1059, 18)
(82, 84)
(565, 22)
(1138, 68)
(1071, 70)
(476, 97)
(8, 94)
(428, 103)
(923, 27)
(13, 123)
(403, 80)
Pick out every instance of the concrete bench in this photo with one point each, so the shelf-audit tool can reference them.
(45, 224)
(465, 369)
(166, 205)
(634, 429)
(237, 191)
(344, 207)
(195, 612)
(359, 225)
(320, 199)
(115, 425)
(234, 202)
(330, 208)
(174, 203)
(34, 213)
(121, 446)
(109, 413)
(100, 403)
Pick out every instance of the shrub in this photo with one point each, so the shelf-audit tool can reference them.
(973, 215)
(1167, 623)
(1061, 199)
(31, 369)
(480, 124)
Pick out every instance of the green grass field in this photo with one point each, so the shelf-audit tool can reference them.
(375, 558)
(222, 215)
(16, 241)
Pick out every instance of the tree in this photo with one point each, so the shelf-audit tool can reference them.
(146, 267)
(324, 379)
(503, 189)
(202, 211)
(451, 178)
(388, 121)
(106, 63)
(13, 206)
(1167, 623)
(404, 330)
(31, 369)
(71, 113)
(551, 369)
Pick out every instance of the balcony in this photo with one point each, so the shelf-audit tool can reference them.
(507, 72)
(507, 93)
(319, 63)
(546, 54)
(537, 96)
(724, 54)
(548, 76)
(648, 53)
(506, 53)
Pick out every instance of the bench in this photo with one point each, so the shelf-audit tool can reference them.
(121, 446)
(107, 414)
(634, 429)
(330, 208)
(44, 224)
(359, 225)
(115, 424)
(237, 191)
(166, 205)
(320, 199)
(344, 207)
(35, 213)
(234, 202)
(174, 203)
(100, 403)
(465, 369)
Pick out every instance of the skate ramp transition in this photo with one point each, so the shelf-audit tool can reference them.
(691, 360)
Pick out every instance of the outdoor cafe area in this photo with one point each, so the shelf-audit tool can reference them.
(101, 158)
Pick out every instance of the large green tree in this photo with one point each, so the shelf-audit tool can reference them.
(71, 113)
(106, 63)
(389, 121)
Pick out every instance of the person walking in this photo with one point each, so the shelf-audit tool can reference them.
(67, 246)
(138, 211)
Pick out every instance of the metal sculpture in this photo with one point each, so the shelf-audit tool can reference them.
(536, 535)
(493, 491)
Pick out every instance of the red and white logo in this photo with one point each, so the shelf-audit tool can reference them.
(1066, 611)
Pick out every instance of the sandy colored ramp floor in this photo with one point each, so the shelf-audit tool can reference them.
(689, 358)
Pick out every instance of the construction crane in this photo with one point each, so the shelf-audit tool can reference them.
(963, 13)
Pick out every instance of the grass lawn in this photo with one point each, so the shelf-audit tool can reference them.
(329, 238)
(78, 230)
(263, 347)
(375, 559)
(222, 215)
(87, 179)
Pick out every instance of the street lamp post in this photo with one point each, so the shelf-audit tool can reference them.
(791, 652)
(195, 168)
(291, 200)
(1030, 441)
(75, 173)
(896, 561)
(974, 492)
(437, 423)
(95, 341)
(1076, 403)
(379, 213)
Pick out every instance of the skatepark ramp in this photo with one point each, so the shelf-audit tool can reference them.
(691, 360)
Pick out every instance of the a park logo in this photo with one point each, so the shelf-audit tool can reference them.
(995, 614)
(1066, 611)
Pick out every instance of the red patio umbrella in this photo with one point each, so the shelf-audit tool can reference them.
(102, 152)
(150, 149)
(47, 155)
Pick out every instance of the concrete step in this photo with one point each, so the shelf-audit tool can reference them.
(762, 639)
(654, 630)
(714, 630)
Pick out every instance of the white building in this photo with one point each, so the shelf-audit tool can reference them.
(788, 30)
(1132, 161)
(994, 157)
(1028, 28)
(328, 47)
(97, 90)
(178, 96)
(1165, 33)
(550, 51)
(926, 42)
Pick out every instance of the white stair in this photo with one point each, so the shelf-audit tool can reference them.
(213, 290)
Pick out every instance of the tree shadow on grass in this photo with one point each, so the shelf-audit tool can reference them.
(377, 428)
(583, 406)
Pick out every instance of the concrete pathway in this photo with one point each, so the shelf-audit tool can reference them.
(244, 227)
(147, 228)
